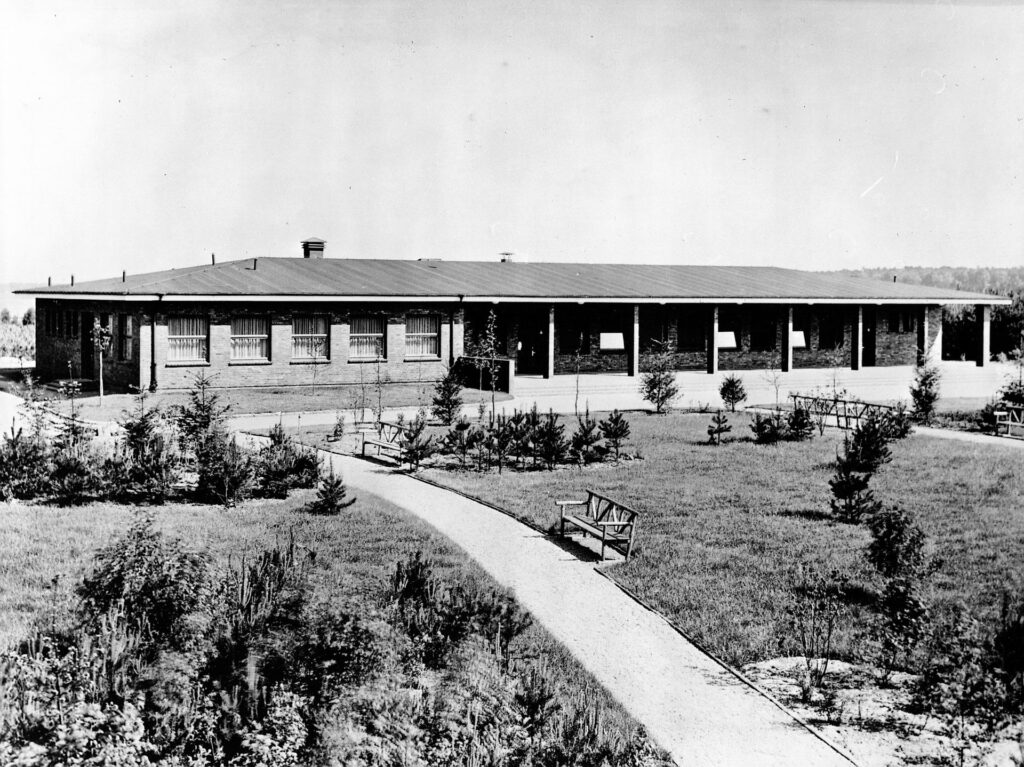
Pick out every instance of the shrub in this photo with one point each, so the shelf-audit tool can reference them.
(851, 498)
(1008, 647)
(143, 468)
(658, 382)
(24, 465)
(900, 625)
(869, 448)
(924, 391)
(896, 423)
(732, 391)
(718, 428)
(157, 584)
(415, 445)
(1013, 393)
(551, 442)
(815, 614)
(331, 496)
(959, 685)
(584, 442)
(897, 548)
(75, 476)
(342, 650)
(456, 441)
(615, 431)
(447, 400)
(986, 418)
(225, 470)
(202, 416)
(799, 426)
(282, 466)
(768, 429)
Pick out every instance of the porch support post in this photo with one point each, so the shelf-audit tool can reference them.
(857, 339)
(152, 352)
(922, 336)
(983, 314)
(634, 347)
(549, 371)
(713, 341)
(787, 339)
(451, 338)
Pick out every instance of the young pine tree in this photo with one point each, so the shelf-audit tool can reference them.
(447, 401)
(658, 382)
(331, 497)
(615, 431)
(732, 391)
(718, 428)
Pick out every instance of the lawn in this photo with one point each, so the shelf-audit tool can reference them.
(723, 529)
(44, 552)
(284, 399)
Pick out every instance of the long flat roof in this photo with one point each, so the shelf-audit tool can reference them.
(317, 279)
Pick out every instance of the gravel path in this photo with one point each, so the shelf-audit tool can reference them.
(693, 707)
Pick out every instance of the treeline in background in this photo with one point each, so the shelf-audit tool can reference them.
(18, 334)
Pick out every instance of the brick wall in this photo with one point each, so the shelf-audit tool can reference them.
(282, 369)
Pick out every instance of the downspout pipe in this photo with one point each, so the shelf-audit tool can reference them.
(152, 348)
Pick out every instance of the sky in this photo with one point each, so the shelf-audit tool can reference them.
(814, 134)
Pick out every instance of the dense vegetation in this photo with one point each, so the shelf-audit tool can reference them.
(17, 335)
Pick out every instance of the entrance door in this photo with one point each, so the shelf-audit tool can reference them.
(88, 363)
(532, 352)
(870, 332)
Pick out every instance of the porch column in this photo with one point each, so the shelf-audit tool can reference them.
(152, 352)
(857, 339)
(787, 340)
(713, 341)
(634, 348)
(983, 315)
(922, 337)
(451, 338)
(549, 372)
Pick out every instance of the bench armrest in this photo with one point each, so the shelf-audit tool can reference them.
(612, 524)
(570, 503)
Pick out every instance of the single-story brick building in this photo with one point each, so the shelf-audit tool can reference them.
(263, 321)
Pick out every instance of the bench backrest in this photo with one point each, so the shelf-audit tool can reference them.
(389, 432)
(605, 509)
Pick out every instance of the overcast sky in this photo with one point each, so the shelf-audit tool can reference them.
(812, 133)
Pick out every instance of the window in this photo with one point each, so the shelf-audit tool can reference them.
(693, 330)
(423, 335)
(250, 338)
(831, 331)
(764, 333)
(366, 338)
(124, 337)
(309, 338)
(187, 339)
(728, 327)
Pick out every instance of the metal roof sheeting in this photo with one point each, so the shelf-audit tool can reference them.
(366, 278)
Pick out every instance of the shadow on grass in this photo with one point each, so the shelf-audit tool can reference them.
(811, 514)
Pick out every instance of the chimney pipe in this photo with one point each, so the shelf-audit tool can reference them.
(124, 275)
(213, 259)
(72, 280)
(254, 264)
(49, 282)
(313, 248)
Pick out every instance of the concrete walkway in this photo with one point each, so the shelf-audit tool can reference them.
(691, 705)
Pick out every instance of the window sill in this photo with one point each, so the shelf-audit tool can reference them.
(430, 358)
(366, 360)
(187, 364)
(309, 362)
(249, 362)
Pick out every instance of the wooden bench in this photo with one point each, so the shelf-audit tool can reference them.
(607, 520)
(1008, 418)
(388, 439)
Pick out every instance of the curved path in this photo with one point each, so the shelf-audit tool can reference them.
(692, 706)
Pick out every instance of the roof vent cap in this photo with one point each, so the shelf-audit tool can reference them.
(313, 248)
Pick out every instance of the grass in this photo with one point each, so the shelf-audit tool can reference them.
(282, 399)
(723, 528)
(44, 552)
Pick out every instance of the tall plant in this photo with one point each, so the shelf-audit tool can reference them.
(658, 382)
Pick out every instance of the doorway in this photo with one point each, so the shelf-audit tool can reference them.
(870, 334)
(532, 351)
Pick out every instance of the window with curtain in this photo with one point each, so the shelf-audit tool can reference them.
(188, 339)
(250, 338)
(309, 338)
(423, 335)
(366, 338)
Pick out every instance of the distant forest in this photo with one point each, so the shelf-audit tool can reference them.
(958, 335)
